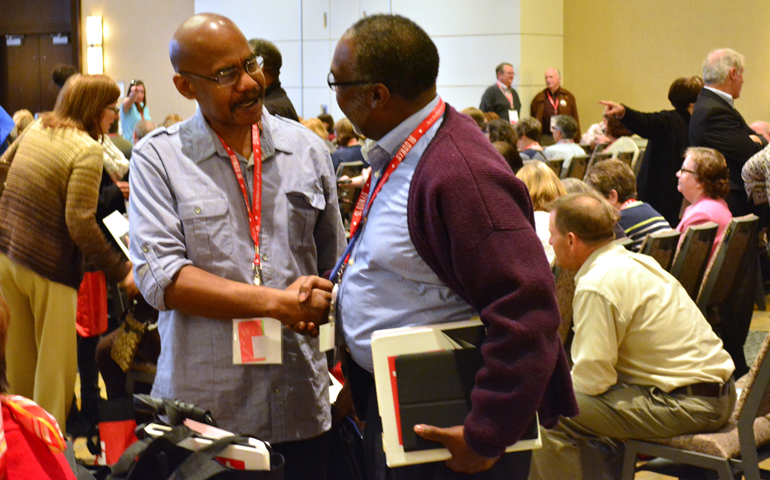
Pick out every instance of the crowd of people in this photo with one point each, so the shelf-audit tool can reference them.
(240, 245)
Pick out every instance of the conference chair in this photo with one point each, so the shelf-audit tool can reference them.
(555, 164)
(693, 255)
(577, 167)
(662, 247)
(565, 293)
(638, 164)
(734, 450)
(624, 242)
(626, 157)
(721, 274)
(347, 197)
(598, 157)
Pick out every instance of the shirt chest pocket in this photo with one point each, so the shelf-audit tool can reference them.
(208, 229)
(303, 210)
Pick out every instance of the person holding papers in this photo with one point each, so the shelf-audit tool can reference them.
(446, 233)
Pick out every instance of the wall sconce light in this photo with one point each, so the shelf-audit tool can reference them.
(95, 54)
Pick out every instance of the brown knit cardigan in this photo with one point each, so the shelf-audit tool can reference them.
(47, 210)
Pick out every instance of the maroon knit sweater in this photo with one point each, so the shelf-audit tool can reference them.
(471, 221)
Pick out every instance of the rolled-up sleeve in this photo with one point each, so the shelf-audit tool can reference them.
(156, 238)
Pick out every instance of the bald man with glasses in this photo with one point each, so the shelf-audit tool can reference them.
(233, 214)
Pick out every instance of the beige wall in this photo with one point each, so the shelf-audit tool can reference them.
(136, 36)
(624, 50)
(630, 51)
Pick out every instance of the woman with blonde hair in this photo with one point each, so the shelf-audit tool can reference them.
(47, 228)
(318, 128)
(544, 187)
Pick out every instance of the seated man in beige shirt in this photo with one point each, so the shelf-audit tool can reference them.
(646, 362)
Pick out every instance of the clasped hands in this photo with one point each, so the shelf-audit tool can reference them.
(313, 296)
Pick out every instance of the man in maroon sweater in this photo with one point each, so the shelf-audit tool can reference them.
(448, 234)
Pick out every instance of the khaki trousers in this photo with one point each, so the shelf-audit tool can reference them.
(41, 353)
(589, 446)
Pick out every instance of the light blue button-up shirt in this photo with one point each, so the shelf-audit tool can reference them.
(388, 285)
(187, 208)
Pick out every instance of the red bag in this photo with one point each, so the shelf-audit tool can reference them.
(92, 305)
(116, 429)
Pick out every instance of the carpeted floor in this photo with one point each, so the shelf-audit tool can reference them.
(751, 347)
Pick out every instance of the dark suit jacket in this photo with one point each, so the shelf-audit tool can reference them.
(494, 100)
(715, 124)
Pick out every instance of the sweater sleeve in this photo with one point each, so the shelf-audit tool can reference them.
(472, 222)
(80, 215)
(646, 125)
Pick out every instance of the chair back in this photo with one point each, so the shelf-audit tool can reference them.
(638, 164)
(347, 196)
(693, 256)
(565, 293)
(661, 246)
(555, 164)
(626, 157)
(754, 399)
(724, 268)
(625, 242)
(351, 169)
(598, 157)
(577, 167)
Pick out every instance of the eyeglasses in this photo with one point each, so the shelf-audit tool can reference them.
(334, 85)
(229, 76)
(115, 110)
(683, 170)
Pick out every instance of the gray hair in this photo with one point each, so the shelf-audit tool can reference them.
(718, 64)
(565, 124)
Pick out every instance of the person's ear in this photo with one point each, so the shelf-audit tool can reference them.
(572, 240)
(379, 95)
(184, 86)
(613, 196)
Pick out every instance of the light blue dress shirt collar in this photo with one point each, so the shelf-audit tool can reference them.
(393, 140)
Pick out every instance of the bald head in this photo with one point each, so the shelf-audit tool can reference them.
(552, 79)
(200, 35)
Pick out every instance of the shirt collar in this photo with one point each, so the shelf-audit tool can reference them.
(723, 95)
(610, 246)
(200, 142)
(503, 87)
(393, 140)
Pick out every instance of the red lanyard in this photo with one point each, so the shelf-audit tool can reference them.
(255, 210)
(553, 101)
(410, 142)
(506, 92)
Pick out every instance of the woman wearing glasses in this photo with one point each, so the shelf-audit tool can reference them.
(47, 228)
(134, 109)
(704, 182)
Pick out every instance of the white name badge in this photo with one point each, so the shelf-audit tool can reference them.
(257, 341)
(513, 116)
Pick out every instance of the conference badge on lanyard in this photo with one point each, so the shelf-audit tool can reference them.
(258, 340)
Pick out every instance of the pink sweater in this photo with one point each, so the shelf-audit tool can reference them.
(707, 210)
